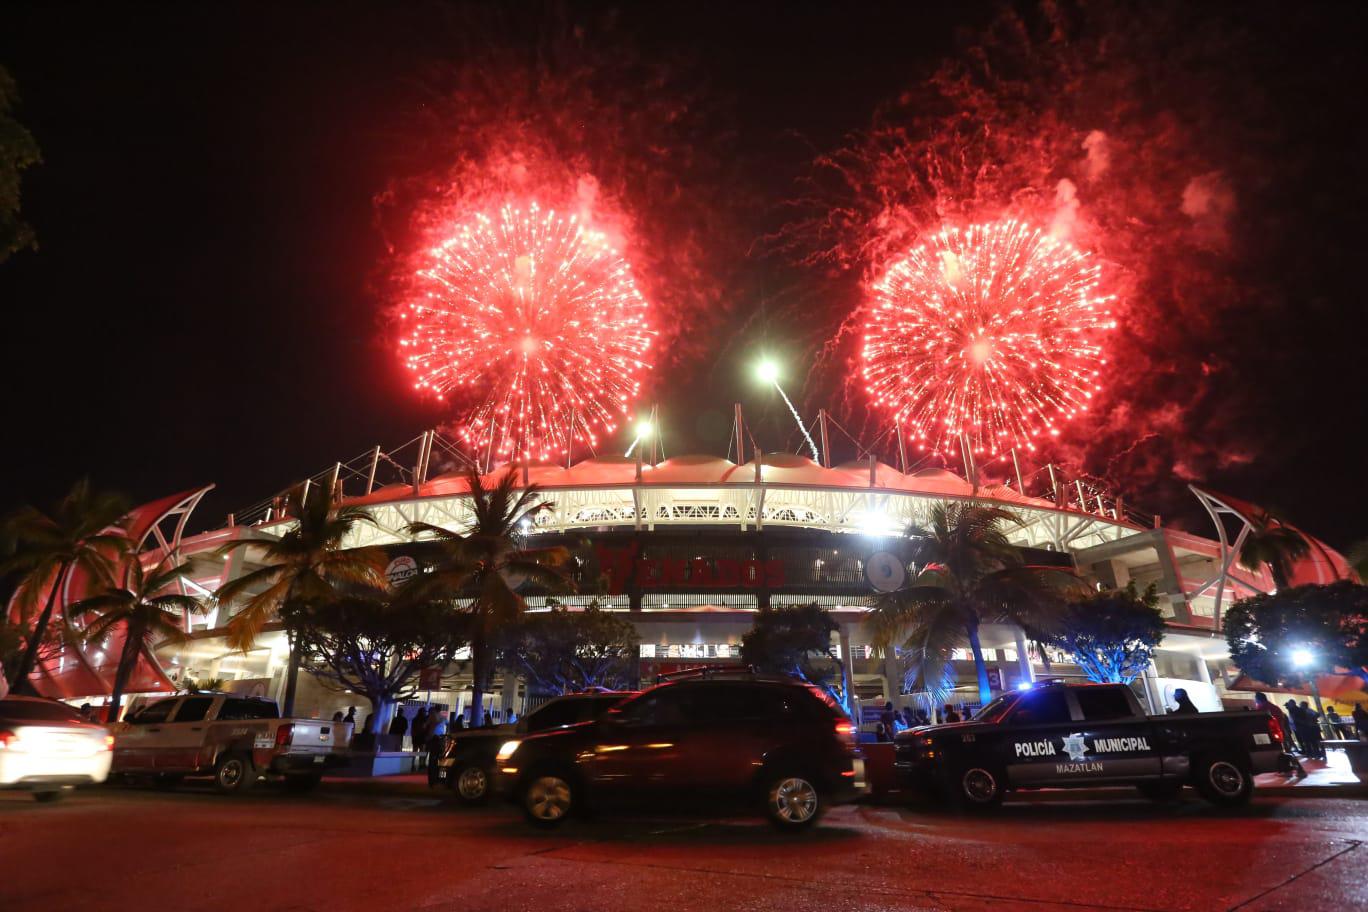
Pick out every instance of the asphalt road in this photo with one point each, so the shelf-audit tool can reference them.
(381, 846)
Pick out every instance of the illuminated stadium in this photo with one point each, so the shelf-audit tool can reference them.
(690, 547)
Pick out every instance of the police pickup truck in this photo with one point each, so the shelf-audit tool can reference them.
(1057, 735)
(235, 739)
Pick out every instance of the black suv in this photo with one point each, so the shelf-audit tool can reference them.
(467, 762)
(765, 742)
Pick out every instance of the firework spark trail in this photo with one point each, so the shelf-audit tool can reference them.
(798, 418)
(991, 333)
(536, 318)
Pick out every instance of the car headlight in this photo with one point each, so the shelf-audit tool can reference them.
(506, 750)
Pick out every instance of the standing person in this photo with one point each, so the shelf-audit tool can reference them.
(351, 715)
(419, 727)
(1313, 731)
(400, 725)
(1336, 723)
(337, 716)
(1182, 703)
(949, 715)
(886, 717)
(1361, 722)
(436, 740)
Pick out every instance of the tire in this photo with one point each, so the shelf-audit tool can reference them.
(302, 782)
(548, 798)
(49, 797)
(793, 802)
(1160, 791)
(977, 788)
(470, 782)
(234, 774)
(1223, 780)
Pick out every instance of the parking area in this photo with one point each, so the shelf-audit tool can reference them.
(395, 845)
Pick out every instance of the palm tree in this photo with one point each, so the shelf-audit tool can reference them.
(306, 563)
(147, 607)
(82, 533)
(1270, 541)
(972, 575)
(482, 564)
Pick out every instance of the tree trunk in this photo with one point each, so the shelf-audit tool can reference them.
(20, 682)
(128, 657)
(477, 687)
(985, 691)
(291, 679)
(379, 707)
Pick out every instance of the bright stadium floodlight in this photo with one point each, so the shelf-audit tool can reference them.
(644, 430)
(768, 372)
(1303, 657)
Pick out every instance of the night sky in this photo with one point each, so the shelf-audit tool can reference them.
(209, 299)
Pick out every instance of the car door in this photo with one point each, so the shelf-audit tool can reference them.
(640, 746)
(1038, 738)
(1118, 743)
(733, 727)
(182, 735)
(136, 744)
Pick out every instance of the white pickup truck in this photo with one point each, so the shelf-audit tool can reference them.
(235, 739)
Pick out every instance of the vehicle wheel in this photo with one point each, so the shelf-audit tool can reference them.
(978, 788)
(303, 782)
(1224, 781)
(49, 797)
(547, 799)
(234, 774)
(1160, 791)
(793, 802)
(471, 783)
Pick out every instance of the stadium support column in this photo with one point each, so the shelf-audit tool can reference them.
(1023, 657)
(1152, 692)
(509, 693)
(892, 675)
(848, 673)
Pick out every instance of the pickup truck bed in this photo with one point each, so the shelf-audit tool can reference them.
(1078, 735)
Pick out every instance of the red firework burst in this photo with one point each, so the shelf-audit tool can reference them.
(991, 334)
(538, 318)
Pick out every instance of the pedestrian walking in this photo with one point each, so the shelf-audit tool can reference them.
(1287, 763)
(1293, 718)
(1336, 722)
(1360, 722)
(887, 715)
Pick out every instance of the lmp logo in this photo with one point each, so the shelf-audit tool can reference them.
(1076, 747)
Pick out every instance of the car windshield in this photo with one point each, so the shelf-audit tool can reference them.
(37, 711)
(996, 709)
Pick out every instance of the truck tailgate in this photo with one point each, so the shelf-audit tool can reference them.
(313, 736)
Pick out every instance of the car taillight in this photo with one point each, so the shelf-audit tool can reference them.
(9, 740)
(1275, 729)
(284, 734)
(109, 742)
(845, 729)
